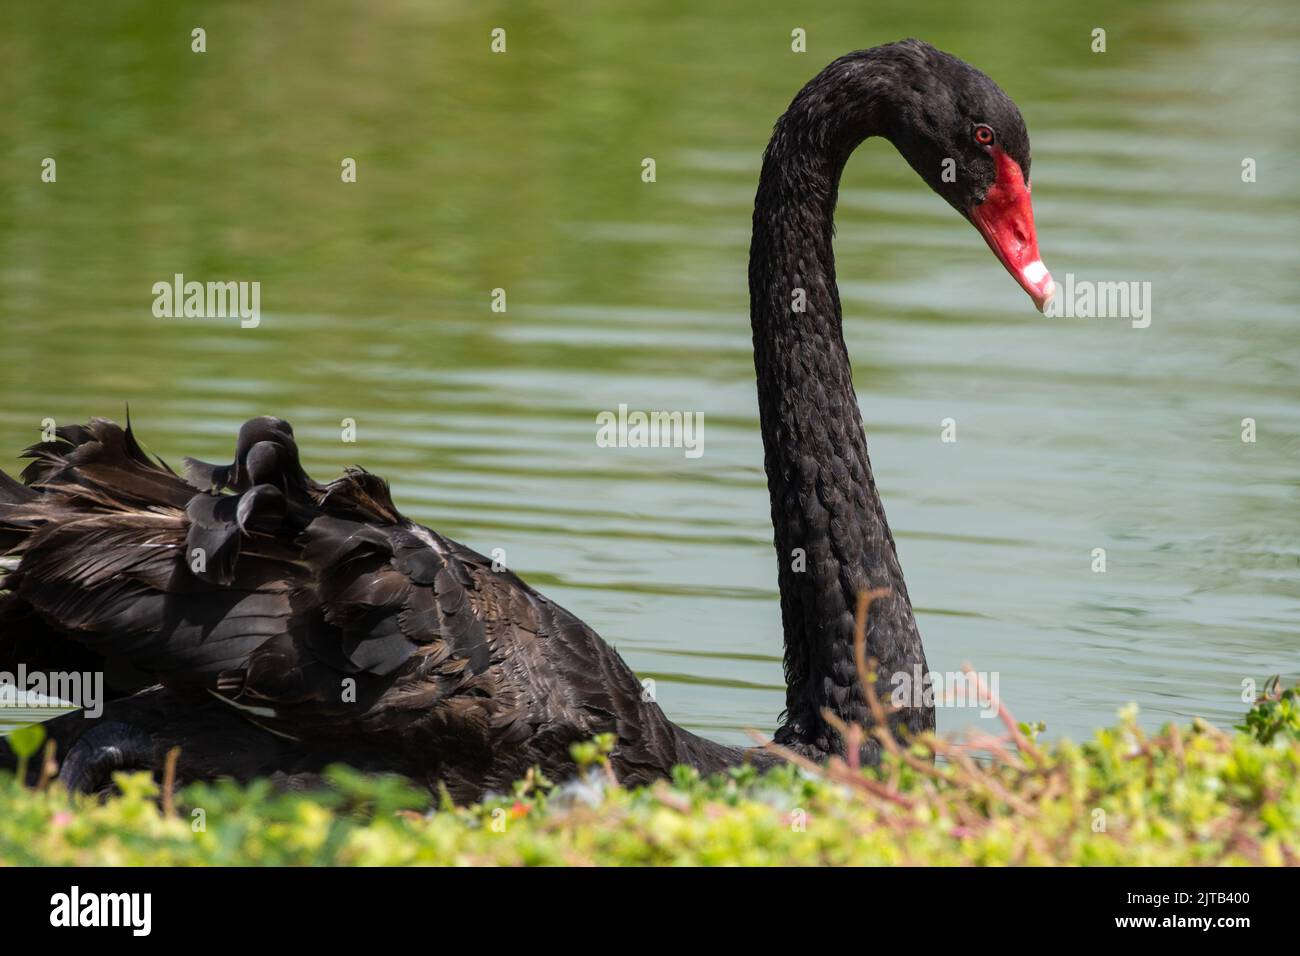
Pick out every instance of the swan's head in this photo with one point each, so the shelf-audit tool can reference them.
(967, 140)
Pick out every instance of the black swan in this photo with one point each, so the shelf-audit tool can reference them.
(271, 625)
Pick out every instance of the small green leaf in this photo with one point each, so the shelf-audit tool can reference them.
(26, 740)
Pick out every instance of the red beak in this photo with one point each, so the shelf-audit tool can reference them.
(1006, 221)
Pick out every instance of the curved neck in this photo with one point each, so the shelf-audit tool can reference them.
(832, 539)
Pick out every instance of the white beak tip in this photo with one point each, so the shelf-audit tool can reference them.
(1049, 293)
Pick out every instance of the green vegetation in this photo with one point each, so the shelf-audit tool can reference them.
(1185, 796)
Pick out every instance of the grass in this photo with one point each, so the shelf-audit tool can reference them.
(1187, 795)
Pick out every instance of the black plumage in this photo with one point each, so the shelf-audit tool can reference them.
(271, 625)
(317, 614)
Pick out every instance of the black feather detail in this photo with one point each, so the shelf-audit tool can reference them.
(414, 558)
(15, 493)
(212, 542)
(205, 476)
(262, 509)
(318, 610)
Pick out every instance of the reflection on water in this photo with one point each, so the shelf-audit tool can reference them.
(522, 172)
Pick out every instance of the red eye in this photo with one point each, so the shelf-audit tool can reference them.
(984, 135)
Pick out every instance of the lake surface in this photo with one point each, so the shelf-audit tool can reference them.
(522, 171)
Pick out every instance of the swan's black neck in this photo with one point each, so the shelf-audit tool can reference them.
(832, 539)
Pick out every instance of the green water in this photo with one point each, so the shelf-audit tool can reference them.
(522, 171)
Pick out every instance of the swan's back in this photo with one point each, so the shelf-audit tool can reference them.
(318, 613)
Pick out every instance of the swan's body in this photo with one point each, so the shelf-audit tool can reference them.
(272, 625)
(327, 627)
